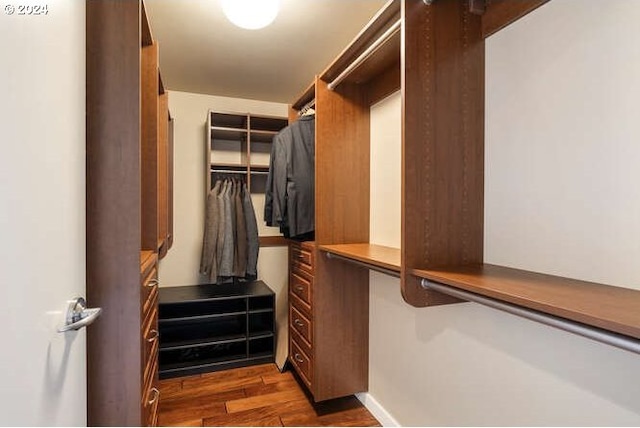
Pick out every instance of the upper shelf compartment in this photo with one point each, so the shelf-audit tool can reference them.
(373, 51)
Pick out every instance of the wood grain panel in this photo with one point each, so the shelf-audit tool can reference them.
(163, 173)
(443, 140)
(341, 329)
(376, 255)
(385, 84)
(114, 379)
(500, 13)
(342, 164)
(170, 196)
(307, 95)
(149, 146)
(604, 306)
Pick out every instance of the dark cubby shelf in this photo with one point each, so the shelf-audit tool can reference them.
(211, 327)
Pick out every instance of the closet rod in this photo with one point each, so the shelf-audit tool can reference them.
(594, 333)
(227, 171)
(362, 264)
(366, 54)
(307, 106)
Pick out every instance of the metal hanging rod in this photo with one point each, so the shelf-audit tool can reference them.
(366, 54)
(227, 171)
(610, 338)
(362, 264)
(307, 106)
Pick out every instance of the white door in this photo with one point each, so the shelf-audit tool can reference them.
(42, 212)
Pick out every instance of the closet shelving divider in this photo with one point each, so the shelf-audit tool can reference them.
(440, 71)
(240, 143)
(129, 176)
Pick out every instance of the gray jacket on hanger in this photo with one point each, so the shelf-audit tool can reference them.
(290, 192)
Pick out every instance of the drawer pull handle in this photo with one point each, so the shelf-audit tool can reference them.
(298, 322)
(153, 283)
(156, 394)
(298, 358)
(299, 287)
(154, 336)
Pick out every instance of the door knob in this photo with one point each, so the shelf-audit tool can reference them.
(78, 315)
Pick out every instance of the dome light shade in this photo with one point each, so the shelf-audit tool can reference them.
(251, 14)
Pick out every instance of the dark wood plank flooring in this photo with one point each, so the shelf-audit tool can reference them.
(252, 396)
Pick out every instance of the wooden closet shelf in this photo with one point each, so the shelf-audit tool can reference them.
(220, 133)
(607, 307)
(382, 58)
(370, 254)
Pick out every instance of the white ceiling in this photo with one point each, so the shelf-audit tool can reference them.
(201, 52)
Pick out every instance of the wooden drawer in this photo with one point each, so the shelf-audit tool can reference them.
(306, 347)
(149, 290)
(300, 323)
(150, 345)
(300, 306)
(302, 258)
(301, 362)
(301, 287)
(150, 400)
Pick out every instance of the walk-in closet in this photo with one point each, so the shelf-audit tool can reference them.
(365, 213)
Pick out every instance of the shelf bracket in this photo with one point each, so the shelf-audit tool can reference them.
(604, 336)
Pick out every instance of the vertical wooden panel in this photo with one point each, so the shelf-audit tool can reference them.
(341, 329)
(342, 164)
(149, 146)
(170, 201)
(443, 148)
(113, 211)
(163, 173)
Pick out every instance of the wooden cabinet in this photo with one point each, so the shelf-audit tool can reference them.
(240, 144)
(301, 311)
(128, 211)
(205, 328)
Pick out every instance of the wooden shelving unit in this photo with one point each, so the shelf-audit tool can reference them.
(205, 328)
(376, 257)
(240, 144)
(610, 308)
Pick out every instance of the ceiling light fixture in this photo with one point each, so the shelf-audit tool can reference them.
(251, 14)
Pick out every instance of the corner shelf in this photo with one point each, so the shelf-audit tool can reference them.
(375, 257)
(610, 308)
(209, 327)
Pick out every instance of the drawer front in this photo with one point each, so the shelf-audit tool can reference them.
(305, 346)
(301, 362)
(150, 346)
(302, 258)
(300, 323)
(149, 290)
(300, 306)
(150, 400)
(301, 287)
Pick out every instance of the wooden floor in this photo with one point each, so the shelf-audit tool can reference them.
(252, 396)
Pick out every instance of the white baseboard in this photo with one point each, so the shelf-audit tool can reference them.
(376, 409)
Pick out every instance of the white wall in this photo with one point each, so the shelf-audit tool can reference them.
(182, 263)
(189, 111)
(42, 214)
(562, 86)
(385, 177)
